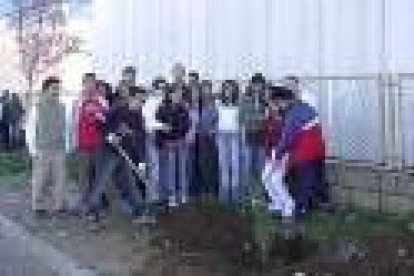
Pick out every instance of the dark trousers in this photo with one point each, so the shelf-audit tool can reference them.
(309, 187)
(4, 135)
(114, 167)
(203, 163)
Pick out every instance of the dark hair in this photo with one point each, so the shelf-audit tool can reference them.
(293, 78)
(208, 83)
(194, 74)
(49, 81)
(157, 81)
(234, 91)
(258, 78)
(89, 75)
(107, 86)
(278, 93)
(129, 69)
(136, 90)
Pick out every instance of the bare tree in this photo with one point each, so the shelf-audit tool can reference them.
(41, 36)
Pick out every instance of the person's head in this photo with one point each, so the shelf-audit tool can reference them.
(230, 90)
(193, 78)
(129, 75)
(123, 89)
(51, 86)
(178, 73)
(89, 81)
(207, 91)
(280, 98)
(176, 95)
(159, 84)
(257, 83)
(291, 82)
(136, 97)
(104, 87)
(15, 97)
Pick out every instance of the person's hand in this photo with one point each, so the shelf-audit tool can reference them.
(142, 167)
(100, 117)
(125, 130)
(114, 139)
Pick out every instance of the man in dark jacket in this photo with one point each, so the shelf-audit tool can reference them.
(173, 113)
(5, 119)
(253, 108)
(124, 128)
(16, 116)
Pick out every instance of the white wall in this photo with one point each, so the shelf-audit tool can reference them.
(234, 37)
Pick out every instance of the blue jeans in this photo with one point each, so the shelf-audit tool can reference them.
(253, 157)
(228, 146)
(173, 171)
(154, 168)
(114, 168)
(309, 185)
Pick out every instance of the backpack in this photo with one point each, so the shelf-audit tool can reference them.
(89, 127)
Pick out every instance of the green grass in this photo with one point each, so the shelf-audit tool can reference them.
(13, 163)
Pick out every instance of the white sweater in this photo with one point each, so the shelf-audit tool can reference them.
(149, 111)
(228, 118)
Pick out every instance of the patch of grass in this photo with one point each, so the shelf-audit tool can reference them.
(356, 224)
(13, 163)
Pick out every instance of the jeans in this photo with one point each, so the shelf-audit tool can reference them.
(173, 171)
(308, 183)
(48, 165)
(228, 147)
(203, 165)
(253, 157)
(154, 170)
(114, 167)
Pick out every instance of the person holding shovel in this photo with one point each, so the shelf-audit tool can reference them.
(124, 129)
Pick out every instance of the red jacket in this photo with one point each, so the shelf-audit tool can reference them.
(89, 128)
(309, 146)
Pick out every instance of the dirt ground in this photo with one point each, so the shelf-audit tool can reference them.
(200, 241)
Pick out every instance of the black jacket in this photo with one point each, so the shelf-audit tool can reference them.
(177, 118)
(133, 144)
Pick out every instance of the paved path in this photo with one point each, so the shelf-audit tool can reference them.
(23, 254)
(16, 260)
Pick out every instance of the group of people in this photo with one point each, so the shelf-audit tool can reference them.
(178, 142)
(11, 115)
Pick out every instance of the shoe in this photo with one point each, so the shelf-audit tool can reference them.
(40, 213)
(144, 219)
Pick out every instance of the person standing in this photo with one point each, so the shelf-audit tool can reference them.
(171, 140)
(124, 128)
(5, 124)
(253, 109)
(152, 102)
(228, 142)
(49, 159)
(15, 118)
(89, 133)
(204, 180)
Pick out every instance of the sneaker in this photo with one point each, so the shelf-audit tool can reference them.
(172, 202)
(144, 219)
(288, 227)
(40, 213)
